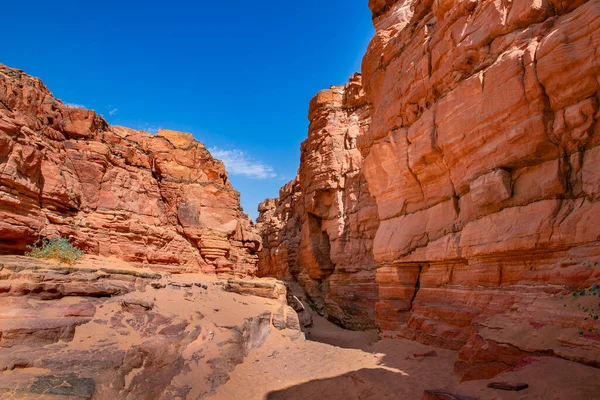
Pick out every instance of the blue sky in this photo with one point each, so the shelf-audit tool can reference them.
(236, 74)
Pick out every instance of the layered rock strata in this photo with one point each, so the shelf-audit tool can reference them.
(482, 159)
(148, 199)
(104, 330)
(321, 229)
(482, 155)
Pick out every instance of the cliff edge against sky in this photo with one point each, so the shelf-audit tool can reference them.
(158, 200)
(455, 186)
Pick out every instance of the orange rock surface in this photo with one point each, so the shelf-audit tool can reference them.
(148, 199)
(106, 330)
(321, 229)
(480, 146)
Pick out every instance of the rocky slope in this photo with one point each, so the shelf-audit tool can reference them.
(103, 329)
(107, 330)
(479, 143)
(148, 199)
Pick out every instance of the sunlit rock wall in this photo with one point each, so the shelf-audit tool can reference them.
(320, 231)
(148, 199)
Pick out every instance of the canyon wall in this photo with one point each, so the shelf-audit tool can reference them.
(321, 229)
(481, 148)
(159, 200)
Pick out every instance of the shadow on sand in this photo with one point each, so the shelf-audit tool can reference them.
(324, 331)
(371, 384)
(403, 373)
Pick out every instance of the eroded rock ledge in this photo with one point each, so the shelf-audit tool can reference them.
(476, 138)
(158, 200)
(108, 330)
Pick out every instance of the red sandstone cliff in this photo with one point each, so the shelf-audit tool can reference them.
(151, 199)
(321, 229)
(480, 145)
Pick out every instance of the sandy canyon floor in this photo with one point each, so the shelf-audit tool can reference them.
(343, 365)
(105, 330)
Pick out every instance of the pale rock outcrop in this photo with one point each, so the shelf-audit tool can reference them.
(104, 329)
(160, 199)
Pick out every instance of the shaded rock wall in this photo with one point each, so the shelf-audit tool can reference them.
(482, 154)
(321, 229)
(151, 199)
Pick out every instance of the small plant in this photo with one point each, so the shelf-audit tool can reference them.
(57, 249)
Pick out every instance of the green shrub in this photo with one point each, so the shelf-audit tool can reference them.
(57, 249)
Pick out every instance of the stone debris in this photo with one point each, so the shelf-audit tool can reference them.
(444, 395)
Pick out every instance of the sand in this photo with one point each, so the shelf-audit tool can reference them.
(337, 364)
(332, 363)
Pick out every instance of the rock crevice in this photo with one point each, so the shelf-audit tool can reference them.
(320, 231)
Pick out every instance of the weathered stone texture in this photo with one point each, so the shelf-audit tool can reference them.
(150, 199)
(483, 156)
(106, 330)
(483, 119)
(320, 231)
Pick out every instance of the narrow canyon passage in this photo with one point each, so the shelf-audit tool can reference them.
(334, 363)
(338, 364)
(441, 232)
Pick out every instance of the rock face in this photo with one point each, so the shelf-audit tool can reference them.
(482, 154)
(105, 331)
(148, 199)
(321, 229)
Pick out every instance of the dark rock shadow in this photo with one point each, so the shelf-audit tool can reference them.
(324, 331)
(411, 356)
(364, 384)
